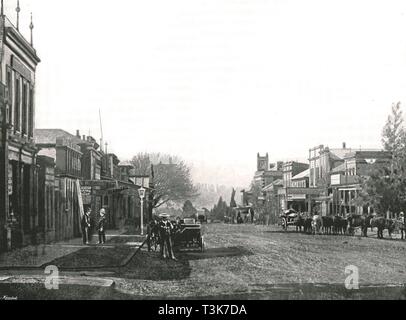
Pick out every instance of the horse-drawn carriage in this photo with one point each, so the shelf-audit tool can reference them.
(188, 235)
(288, 218)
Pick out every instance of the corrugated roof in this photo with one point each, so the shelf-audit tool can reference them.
(301, 175)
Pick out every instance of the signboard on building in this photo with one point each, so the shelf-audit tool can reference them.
(86, 191)
(86, 194)
(142, 181)
(298, 197)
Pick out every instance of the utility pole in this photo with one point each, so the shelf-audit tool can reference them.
(141, 193)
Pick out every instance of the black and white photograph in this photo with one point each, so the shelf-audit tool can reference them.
(199, 150)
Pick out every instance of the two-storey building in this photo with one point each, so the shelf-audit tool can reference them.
(18, 170)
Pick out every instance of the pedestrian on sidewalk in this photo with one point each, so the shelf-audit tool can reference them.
(86, 227)
(101, 226)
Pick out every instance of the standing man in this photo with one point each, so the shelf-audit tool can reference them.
(165, 230)
(101, 226)
(402, 225)
(86, 226)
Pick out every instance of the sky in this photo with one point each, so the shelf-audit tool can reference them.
(217, 81)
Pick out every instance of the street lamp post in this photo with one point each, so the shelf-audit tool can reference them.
(141, 193)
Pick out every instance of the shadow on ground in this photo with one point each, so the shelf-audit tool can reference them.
(93, 257)
(150, 266)
(115, 253)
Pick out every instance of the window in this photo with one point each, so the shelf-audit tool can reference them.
(31, 114)
(10, 95)
(24, 108)
(17, 104)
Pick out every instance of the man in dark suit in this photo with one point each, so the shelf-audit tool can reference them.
(86, 226)
(165, 232)
(101, 226)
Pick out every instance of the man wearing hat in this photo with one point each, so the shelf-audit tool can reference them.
(85, 223)
(165, 230)
(101, 226)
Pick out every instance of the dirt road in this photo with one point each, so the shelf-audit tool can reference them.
(250, 261)
(254, 262)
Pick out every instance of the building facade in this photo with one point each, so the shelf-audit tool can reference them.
(19, 172)
(346, 180)
(87, 177)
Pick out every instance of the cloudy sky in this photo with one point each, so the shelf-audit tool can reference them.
(216, 81)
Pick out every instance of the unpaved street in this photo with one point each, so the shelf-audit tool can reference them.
(250, 261)
(256, 262)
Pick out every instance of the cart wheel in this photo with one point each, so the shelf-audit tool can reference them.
(284, 224)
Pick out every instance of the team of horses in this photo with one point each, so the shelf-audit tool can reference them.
(317, 224)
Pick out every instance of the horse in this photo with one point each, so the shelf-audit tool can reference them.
(153, 235)
(307, 224)
(299, 222)
(327, 223)
(381, 224)
(358, 221)
(339, 225)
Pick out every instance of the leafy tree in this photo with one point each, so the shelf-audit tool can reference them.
(172, 177)
(188, 209)
(393, 138)
(385, 187)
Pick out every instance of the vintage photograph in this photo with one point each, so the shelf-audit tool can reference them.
(202, 150)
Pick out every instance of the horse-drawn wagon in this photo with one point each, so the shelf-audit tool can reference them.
(288, 218)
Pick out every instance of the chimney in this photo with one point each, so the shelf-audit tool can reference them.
(77, 134)
(84, 138)
(344, 145)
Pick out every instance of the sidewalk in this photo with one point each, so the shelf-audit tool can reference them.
(32, 257)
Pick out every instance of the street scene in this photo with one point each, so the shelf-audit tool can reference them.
(196, 161)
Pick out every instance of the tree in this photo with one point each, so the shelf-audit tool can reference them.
(393, 138)
(220, 210)
(172, 177)
(188, 209)
(385, 187)
(233, 204)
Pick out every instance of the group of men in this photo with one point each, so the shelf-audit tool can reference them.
(164, 229)
(86, 225)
